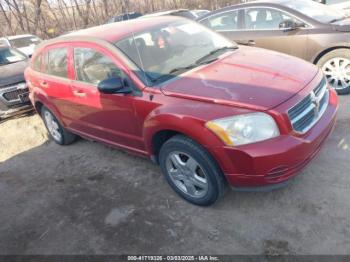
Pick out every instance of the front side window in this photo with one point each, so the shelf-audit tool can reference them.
(264, 19)
(223, 21)
(164, 51)
(93, 67)
(57, 62)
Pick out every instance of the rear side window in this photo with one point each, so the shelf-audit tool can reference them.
(57, 62)
(37, 63)
(223, 21)
(93, 67)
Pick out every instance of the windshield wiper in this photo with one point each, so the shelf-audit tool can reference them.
(338, 19)
(172, 73)
(179, 70)
(204, 59)
(207, 59)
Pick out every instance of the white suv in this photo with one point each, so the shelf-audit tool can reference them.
(24, 43)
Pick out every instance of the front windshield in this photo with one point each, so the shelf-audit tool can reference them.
(319, 12)
(160, 51)
(9, 56)
(24, 41)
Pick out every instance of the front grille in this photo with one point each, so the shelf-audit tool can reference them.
(14, 95)
(309, 110)
(320, 87)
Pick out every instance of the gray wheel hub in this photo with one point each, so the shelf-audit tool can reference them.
(187, 174)
(337, 71)
(52, 126)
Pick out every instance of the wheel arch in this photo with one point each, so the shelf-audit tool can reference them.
(161, 128)
(40, 101)
(329, 49)
(38, 105)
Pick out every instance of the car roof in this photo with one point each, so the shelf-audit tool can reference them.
(117, 31)
(167, 12)
(260, 3)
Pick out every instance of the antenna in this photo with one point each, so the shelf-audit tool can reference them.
(134, 42)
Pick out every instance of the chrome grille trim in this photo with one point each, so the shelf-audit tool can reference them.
(305, 114)
(14, 94)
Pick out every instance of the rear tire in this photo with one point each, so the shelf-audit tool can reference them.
(191, 171)
(56, 131)
(336, 67)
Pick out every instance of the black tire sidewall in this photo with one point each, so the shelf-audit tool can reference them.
(341, 53)
(211, 170)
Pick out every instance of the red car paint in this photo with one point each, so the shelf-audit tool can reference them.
(244, 81)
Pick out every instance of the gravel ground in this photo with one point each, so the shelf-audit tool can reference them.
(90, 199)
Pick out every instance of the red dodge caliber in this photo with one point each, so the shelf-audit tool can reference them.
(209, 112)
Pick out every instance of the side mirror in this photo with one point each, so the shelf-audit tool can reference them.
(289, 25)
(113, 85)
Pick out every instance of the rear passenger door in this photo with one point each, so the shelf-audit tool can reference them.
(55, 82)
(107, 117)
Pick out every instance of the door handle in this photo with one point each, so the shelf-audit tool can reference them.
(44, 84)
(79, 93)
(251, 42)
(246, 42)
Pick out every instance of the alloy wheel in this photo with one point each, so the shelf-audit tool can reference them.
(337, 71)
(187, 174)
(52, 126)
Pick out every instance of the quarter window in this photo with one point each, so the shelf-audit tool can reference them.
(264, 19)
(223, 21)
(93, 67)
(57, 62)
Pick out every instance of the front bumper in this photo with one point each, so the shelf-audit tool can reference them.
(14, 100)
(273, 162)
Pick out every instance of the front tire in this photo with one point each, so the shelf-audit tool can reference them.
(56, 132)
(336, 67)
(191, 171)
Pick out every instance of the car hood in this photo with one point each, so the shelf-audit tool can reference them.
(248, 77)
(12, 73)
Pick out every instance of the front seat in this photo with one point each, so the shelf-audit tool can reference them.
(261, 20)
(228, 23)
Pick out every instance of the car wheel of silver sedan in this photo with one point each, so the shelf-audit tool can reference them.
(336, 67)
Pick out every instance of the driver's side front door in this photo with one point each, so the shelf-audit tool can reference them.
(104, 117)
(261, 28)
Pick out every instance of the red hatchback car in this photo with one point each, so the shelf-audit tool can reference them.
(209, 112)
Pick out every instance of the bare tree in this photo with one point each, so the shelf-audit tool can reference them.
(6, 17)
(58, 16)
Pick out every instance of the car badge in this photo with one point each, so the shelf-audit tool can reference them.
(315, 101)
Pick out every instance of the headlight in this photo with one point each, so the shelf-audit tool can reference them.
(244, 129)
(21, 86)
